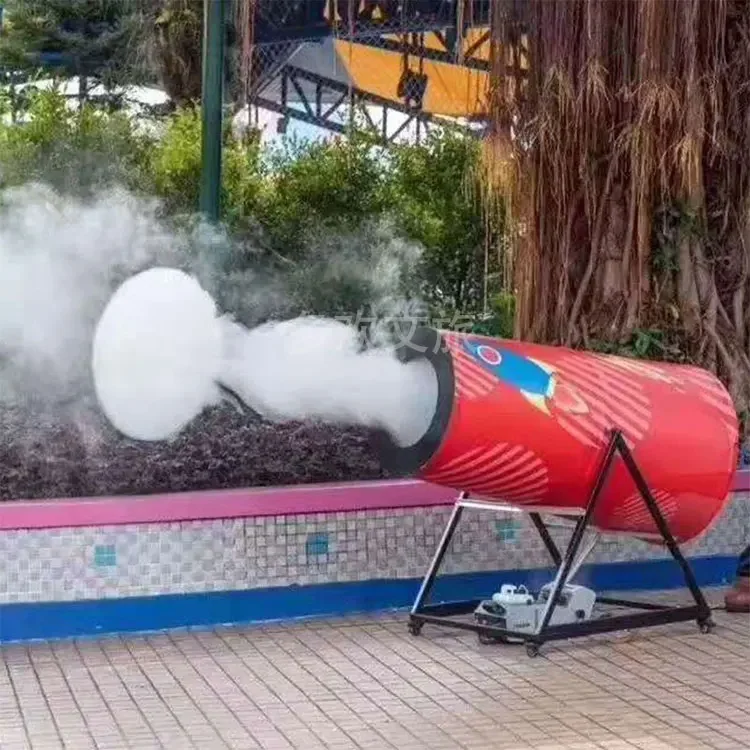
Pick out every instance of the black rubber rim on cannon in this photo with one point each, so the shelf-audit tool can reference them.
(422, 343)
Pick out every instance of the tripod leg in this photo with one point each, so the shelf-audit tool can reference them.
(705, 617)
(549, 542)
(442, 548)
(563, 572)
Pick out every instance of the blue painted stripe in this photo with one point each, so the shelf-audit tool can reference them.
(52, 620)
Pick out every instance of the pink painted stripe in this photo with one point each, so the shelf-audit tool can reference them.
(348, 497)
(216, 504)
(741, 481)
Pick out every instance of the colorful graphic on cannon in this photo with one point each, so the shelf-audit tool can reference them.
(529, 424)
(534, 381)
(573, 392)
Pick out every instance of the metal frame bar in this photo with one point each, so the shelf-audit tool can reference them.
(312, 23)
(314, 114)
(425, 53)
(212, 103)
(485, 37)
(313, 20)
(650, 613)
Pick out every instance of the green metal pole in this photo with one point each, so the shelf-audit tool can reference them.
(211, 106)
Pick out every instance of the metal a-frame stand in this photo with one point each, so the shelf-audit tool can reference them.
(650, 614)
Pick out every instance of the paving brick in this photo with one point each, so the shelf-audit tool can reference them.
(361, 683)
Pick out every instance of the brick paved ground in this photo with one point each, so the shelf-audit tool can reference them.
(365, 683)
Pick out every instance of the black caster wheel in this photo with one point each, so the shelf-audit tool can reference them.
(415, 628)
(707, 626)
(532, 650)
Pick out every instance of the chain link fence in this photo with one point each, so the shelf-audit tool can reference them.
(396, 68)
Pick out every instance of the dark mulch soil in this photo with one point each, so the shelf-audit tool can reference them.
(82, 456)
(41, 457)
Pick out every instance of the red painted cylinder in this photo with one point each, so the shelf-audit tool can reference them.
(528, 425)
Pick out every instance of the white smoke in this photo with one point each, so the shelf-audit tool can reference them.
(156, 354)
(60, 260)
(161, 350)
(313, 368)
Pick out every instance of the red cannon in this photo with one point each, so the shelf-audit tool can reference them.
(528, 424)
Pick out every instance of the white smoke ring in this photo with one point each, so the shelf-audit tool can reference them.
(156, 353)
(161, 355)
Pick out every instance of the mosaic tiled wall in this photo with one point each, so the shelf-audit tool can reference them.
(117, 561)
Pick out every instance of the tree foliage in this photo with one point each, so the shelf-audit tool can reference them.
(98, 38)
(74, 150)
(304, 201)
(315, 184)
(434, 197)
(175, 30)
(117, 42)
(621, 145)
(337, 223)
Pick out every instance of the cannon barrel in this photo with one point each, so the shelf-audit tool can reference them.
(526, 424)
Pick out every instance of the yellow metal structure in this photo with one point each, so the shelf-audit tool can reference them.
(452, 89)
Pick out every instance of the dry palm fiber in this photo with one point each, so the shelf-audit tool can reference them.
(622, 155)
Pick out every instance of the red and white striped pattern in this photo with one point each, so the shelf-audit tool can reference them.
(634, 513)
(639, 367)
(472, 380)
(506, 472)
(710, 389)
(712, 392)
(614, 400)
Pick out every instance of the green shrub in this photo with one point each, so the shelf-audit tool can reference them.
(331, 226)
(176, 162)
(500, 322)
(334, 185)
(433, 199)
(71, 149)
